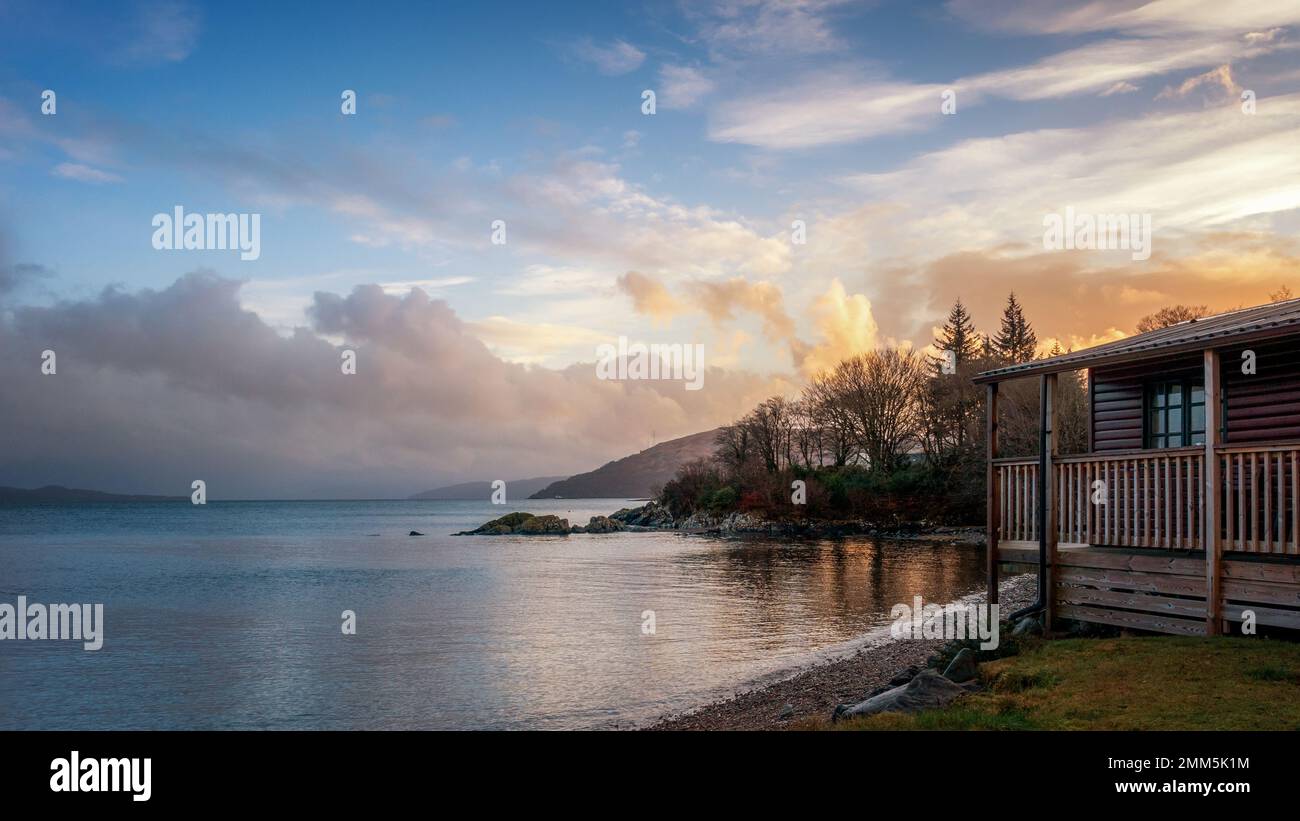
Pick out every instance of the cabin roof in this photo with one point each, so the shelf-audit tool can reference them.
(1241, 325)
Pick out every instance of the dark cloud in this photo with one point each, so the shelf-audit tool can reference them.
(157, 388)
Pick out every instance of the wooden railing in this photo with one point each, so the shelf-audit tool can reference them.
(1261, 498)
(1017, 481)
(1152, 499)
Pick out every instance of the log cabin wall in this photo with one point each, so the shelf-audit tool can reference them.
(1117, 398)
(1261, 407)
(1264, 406)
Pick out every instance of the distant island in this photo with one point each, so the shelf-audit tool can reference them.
(58, 493)
(478, 491)
(638, 476)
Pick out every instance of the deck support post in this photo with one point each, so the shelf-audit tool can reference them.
(991, 490)
(1047, 506)
(1213, 536)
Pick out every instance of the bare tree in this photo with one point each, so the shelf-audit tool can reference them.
(881, 393)
(822, 398)
(1165, 317)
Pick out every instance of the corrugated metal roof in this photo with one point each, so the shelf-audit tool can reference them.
(1194, 334)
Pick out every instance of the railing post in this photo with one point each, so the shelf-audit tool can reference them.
(991, 491)
(1212, 537)
(1047, 506)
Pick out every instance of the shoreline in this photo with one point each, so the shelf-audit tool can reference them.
(811, 692)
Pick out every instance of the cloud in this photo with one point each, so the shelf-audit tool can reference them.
(846, 327)
(614, 58)
(83, 173)
(1121, 87)
(682, 86)
(721, 300)
(424, 284)
(649, 296)
(767, 26)
(157, 388)
(1220, 77)
(1158, 18)
(161, 31)
(846, 103)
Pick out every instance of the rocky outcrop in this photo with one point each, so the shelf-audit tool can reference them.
(601, 524)
(927, 691)
(650, 515)
(729, 523)
(521, 524)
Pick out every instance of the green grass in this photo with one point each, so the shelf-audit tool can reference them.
(1156, 683)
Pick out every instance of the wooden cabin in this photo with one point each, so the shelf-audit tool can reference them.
(1183, 514)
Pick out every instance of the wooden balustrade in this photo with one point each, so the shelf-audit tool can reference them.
(1156, 499)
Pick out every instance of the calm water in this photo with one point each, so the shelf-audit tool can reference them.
(228, 616)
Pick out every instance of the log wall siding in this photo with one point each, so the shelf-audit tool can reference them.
(1117, 399)
(1263, 406)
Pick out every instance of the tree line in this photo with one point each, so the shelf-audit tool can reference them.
(891, 435)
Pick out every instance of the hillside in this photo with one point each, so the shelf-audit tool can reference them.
(478, 491)
(635, 476)
(58, 493)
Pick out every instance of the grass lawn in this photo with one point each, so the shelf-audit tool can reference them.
(1157, 683)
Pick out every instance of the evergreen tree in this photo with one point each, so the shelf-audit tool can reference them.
(1016, 342)
(959, 335)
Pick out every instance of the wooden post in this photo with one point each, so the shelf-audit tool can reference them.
(1047, 506)
(991, 490)
(1092, 412)
(1213, 487)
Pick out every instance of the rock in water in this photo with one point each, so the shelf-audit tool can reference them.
(415, 533)
(963, 667)
(520, 523)
(651, 514)
(548, 525)
(602, 524)
(927, 691)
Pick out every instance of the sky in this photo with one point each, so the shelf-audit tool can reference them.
(816, 179)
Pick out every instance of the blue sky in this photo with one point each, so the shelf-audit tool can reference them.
(674, 227)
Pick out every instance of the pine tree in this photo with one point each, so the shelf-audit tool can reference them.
(959, 335)
(1016, 342)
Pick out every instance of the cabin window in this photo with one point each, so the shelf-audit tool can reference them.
(1175, 415)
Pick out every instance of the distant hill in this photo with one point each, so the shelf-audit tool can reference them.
(635, 476)
(478, 491)
(58, 493)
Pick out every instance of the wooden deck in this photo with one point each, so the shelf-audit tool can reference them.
(1151, 589)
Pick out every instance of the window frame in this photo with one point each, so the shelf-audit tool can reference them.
(1186, 435)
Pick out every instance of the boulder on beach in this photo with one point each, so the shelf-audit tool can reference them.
(927, 691)
(963, 666)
